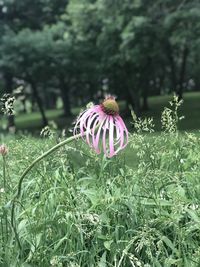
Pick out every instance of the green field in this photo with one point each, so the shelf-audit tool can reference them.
(190, 109)
(79, 209)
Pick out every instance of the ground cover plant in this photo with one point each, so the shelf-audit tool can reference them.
(33, 121)
(77, 208)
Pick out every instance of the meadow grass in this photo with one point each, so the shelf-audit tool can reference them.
(79, 209)
(190, 110)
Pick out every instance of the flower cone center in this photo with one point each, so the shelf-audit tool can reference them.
(110, 107)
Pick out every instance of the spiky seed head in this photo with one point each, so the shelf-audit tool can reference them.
(110, 106)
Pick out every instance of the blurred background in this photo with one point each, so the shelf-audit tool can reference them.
(58, 55)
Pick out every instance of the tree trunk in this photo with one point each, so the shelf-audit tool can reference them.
(145, 90)
(65, 96)
(135, 99)
(172, 66)
(51, 100)
(132, 95)
(145, 105)
(182, 72)
(33, 104)
(161, 83)
(24, 106)
(39, 102)
(8, 87)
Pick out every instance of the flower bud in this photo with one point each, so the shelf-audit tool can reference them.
(3, 150)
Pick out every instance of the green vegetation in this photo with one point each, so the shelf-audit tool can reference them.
(79, 50)
(75, 208)
(190, 109)
(80, 209)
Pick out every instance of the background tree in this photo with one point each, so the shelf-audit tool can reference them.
(79, 50)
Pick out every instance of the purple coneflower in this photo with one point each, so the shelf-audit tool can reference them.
(103, 128)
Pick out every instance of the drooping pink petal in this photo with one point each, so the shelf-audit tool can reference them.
(123, 126)
(121, 129)
(117, 132)
(94, 128)
(111, 137)
(104, 139)
(97, 138)
(103, 129)
(83, 121)
(77, 125)
(122, 137)
(88, 129)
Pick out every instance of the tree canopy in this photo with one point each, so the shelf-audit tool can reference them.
(79, 49)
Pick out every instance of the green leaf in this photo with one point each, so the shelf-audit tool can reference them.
(169, 243)
(102, 262)
(193, 215)
(107, 244)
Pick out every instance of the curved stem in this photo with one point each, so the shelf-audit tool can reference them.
(26, 171)
(51, 150)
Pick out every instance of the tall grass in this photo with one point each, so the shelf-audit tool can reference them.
(80, 209)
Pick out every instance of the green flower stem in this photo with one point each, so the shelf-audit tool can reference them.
(26, 171)
(5, 217)
(4, 172)
(44, 155)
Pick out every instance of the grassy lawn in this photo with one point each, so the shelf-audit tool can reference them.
(77, 208)
(190, 109)
(86, 210)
